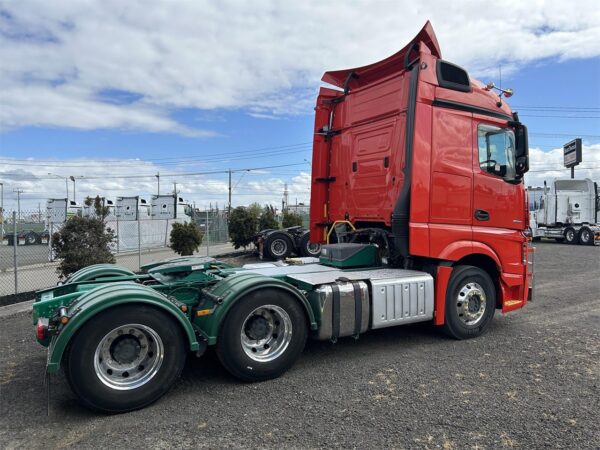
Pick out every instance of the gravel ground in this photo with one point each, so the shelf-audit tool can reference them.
(531, 382)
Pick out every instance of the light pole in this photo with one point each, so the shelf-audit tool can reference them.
(18, 192)
(66, 183)
(157, 183)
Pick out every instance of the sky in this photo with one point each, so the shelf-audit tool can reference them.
(114, 92)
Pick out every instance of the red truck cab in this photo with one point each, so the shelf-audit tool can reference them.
(412, 154)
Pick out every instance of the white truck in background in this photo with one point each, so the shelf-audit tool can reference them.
(568, 212)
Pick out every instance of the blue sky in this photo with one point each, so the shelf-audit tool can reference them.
(87, 91)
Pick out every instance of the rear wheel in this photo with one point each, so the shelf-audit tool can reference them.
(307, 248)
(278, 246)
(31, 239)
(125, 358)
(262, 335)
(470, 302)
(585, 236)
(570, 236)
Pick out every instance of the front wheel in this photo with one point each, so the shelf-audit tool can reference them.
(125, 358)
(262, 336)
(470, 302)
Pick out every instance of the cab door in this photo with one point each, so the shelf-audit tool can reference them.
(498, 199)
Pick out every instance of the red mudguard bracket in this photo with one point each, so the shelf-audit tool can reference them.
(441, 284)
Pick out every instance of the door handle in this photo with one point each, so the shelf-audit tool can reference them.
(482, 215)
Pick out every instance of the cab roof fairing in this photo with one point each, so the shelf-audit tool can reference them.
(372, 72)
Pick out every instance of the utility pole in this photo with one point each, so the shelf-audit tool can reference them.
(73, 180)
(229, 192)
(175, 188)
(285, 195)
(157, 183)
(19, 191)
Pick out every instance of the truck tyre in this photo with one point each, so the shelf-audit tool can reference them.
(31, 238)
(571, 236)
(307, 248)
(470, 302)
(125, 358)
(278, 246)
(262, 336)
(585, 236)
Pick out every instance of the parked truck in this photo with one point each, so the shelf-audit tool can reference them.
(418, 202)
(568, 212)
(282, 243)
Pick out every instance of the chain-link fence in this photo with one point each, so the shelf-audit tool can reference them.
(27, 261)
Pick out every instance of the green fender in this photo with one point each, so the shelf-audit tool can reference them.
(233, 288)
(97, 271)
(108, 296)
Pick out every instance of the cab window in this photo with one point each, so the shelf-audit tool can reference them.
(497, 151)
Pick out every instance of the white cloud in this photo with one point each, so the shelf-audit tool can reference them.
(264, 57)
(541, 161)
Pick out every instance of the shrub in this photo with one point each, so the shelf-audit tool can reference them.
(291, 219)
(268, 219)
(242, 227)
(83, 241)
(185, 238)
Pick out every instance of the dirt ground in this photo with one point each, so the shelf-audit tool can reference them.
(531, 382)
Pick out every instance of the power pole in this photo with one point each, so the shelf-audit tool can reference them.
(73, 180)
(157, 183)
(229, 209)
(175, 188)
(285, 195)
(19, 191)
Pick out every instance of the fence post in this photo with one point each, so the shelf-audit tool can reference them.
(139, 245)
(207, 235)
(50, 252)
(118, 233)
(15, 243)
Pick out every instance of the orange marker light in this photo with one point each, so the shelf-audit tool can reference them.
(203, 312)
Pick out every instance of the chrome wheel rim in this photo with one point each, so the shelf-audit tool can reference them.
(278, 247)
(128, 357)
(570, 235)
(266, 333)
(471, 303)
(314, 249)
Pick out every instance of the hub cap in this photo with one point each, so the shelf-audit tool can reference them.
(585, 236)
(470, 304)
(278, 247)
(128, 356)
(570, 235)
(266, 333)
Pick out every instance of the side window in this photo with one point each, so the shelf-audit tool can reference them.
(496, 151)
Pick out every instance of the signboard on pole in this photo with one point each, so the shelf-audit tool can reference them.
(572, 153)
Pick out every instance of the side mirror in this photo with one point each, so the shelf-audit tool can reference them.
(522, 149)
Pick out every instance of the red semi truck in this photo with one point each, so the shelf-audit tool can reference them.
(413, 155)
(418, 193)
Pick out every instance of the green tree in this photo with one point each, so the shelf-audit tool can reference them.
(83, 241)
(242, 227)
(255, 210)
(268, 219)
(291, 219)
(185, 238)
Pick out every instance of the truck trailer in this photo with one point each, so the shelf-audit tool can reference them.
(568, 212)
(419, 204)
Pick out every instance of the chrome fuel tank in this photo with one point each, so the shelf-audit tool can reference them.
(344, 308)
